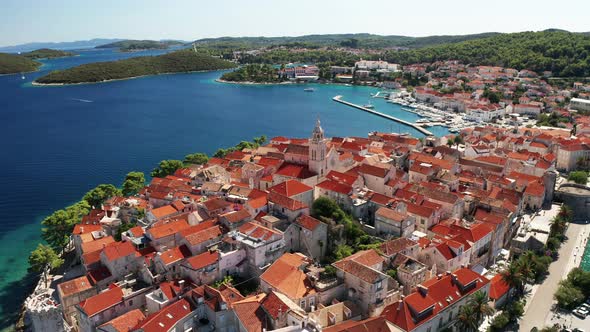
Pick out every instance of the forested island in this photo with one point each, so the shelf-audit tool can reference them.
(14, 63)
(174, 62)
(46, 53)
(140, 45)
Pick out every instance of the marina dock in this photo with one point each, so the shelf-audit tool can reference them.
(413, 125)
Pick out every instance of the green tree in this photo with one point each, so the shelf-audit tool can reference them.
(98, 195)
(567, 295)
(513, 277)
(227, 280)
(327, 208)
(166, 167)
(499, 322)
(458, 140)
(479, 302)
(579, 177)
(59, 225)
(467, 319)
(44, 259)
(134, 182)
(196, 158)
(343, 251)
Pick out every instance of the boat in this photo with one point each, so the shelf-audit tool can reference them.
(309, 89)
(369, 105)
(22, 77)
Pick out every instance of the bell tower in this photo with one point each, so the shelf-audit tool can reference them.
(318, 151)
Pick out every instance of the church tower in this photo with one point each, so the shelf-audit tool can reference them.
(318, 159)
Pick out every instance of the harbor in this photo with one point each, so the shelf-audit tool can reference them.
(413, 125)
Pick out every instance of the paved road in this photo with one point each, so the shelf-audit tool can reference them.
(542, 301)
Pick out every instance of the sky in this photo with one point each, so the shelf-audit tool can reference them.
(23, 21)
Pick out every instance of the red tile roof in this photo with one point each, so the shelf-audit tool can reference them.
(295, 171)
(373, 170)
(96, 245)
(308, 222)
(334, 186)
(102, 301)
(203, 260)
(116, 250)
(126, 321)
(274, 306)
(207, 234)
(166, 318)
(74, 286)
(285, 276)
(286, 202)
(215, 204)
(250, 312)
(168, 229)
(342, 177)
(290, 188)
(439, 295)
(175, 254)
(498, 287)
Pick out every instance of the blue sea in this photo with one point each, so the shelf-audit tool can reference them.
(59, 142)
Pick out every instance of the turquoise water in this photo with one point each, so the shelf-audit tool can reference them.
(59, 142)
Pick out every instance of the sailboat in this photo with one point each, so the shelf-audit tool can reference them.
(369, 105)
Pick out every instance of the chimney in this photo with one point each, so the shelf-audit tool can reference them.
(423, 290)
(181, 285)
(439, 276)
(448, 272)
(453, 278)
(400, 303)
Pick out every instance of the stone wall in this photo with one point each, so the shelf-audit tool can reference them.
(577, 197)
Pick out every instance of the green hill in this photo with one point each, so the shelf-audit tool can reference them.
(174, 62)
(356, 40)
(46, 53)
(136, 45)
(12, 63)
(561, 52)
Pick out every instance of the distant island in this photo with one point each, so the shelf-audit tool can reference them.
(174, 62)
(46, 53)
(140, 45)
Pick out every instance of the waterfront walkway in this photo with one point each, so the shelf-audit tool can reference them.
(538, 311)
(413, 125)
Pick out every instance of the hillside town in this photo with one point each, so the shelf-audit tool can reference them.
(385, 232)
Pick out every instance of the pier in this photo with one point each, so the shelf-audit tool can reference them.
(413, 125)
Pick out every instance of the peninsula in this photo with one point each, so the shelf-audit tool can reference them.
(174, 62)
(25, 62)
(14, 63)
(140, 45)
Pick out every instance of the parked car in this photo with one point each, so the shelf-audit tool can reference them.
(579, 313)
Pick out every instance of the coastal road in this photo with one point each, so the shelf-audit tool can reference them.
(542, 300)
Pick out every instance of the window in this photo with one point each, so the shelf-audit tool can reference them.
(429, 329)
(312, 301)
(130, 302)
(302, 304)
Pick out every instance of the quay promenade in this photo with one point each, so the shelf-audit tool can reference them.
(413, 125)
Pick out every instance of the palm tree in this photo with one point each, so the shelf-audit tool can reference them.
(479, 301)
(526, 266)
(467, 318)
(513, 277)
(566, 212)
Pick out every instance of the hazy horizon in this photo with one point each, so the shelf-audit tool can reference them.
(27, 21)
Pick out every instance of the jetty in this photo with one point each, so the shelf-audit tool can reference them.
(413, 125)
